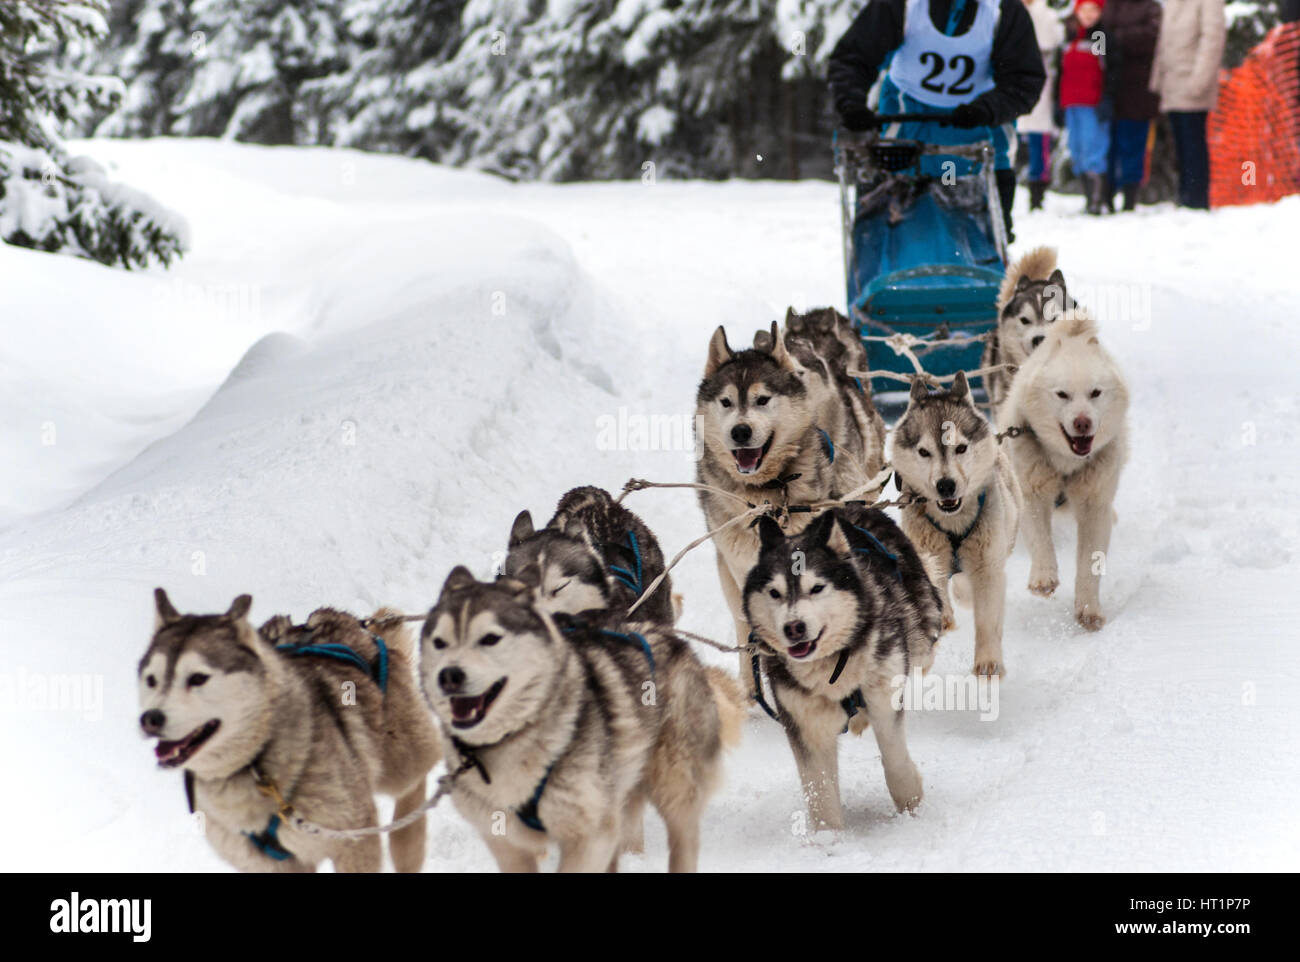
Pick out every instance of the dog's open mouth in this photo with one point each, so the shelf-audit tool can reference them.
(466, 711)
(1080, 444)
(748, 460)
(171, 754)
(949, 505)
(804, 648)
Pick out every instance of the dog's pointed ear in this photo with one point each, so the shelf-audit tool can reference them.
(836, 541)
(522, 529)
(780, 353)
(817, 533)
(460, 577)
(1022, 282)
(238, 610)
(794, 321)
(960, 388)
(167, 612)
(521, 589)
(1056, 301)
(720, 351)
(919, 391)
(769, 533)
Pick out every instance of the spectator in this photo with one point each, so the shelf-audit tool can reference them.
(1082, 97)
(1185, 74)
(1132, 27)
(1037, 126)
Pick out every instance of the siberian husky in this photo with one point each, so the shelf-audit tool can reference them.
(944, 452)
(326, 713)
(1031, 299)
(572, 726)
(1071, 402)
(843, 609)
(594, 554)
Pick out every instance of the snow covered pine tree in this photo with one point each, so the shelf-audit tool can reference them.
(48, 200)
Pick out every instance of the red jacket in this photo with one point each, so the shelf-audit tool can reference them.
(1083, 76)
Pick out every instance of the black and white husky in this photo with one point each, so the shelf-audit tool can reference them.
(844, 610)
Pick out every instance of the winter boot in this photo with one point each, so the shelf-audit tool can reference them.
(1037, 191)
(1107, 195)
(1130, 196)
(1092, 188)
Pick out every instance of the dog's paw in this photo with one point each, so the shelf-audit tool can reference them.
(1043, 585)
(859, 723)
(1090, 617)
(990, 666)
(907, 791)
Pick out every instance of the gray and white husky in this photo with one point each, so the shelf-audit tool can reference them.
(594, 554)
(1031, 299)
(571, 726)
(843, 609)
(326, 712)
(945, 452)
(1071, 400)
(773, 428)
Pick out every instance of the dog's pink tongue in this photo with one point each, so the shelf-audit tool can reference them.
(747, 458)
(1081, 445)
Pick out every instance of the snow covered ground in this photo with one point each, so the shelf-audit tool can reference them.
(368, 365)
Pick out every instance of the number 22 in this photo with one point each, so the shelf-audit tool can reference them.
(960, 62)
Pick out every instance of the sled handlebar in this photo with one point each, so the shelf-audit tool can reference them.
(882, 119)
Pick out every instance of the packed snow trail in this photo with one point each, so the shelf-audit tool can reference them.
(368, 365)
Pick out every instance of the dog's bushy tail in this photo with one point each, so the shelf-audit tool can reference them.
(1036, 264)
(731, 706)
(388, 624)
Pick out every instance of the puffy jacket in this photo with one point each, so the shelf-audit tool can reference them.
(1189, 53)
(1083, 67)
(1050, 34)
(1132, 27)
(1018, 74)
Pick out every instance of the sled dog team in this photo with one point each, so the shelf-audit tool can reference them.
(564, 716)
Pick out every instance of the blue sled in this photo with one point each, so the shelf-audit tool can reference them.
(923, 255)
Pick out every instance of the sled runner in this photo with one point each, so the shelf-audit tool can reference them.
(924, 253)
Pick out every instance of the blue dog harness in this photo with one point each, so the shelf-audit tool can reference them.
(630, 578)
(267, 841)
(377, 672)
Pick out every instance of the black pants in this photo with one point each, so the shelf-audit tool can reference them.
(1188, 128)
(1007, 194)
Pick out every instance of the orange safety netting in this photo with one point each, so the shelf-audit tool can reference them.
(1254, 132)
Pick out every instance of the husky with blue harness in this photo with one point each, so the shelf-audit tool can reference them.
(567, 727)
(842, 612)
(312, 719)
(593, 555)
(965, 526)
